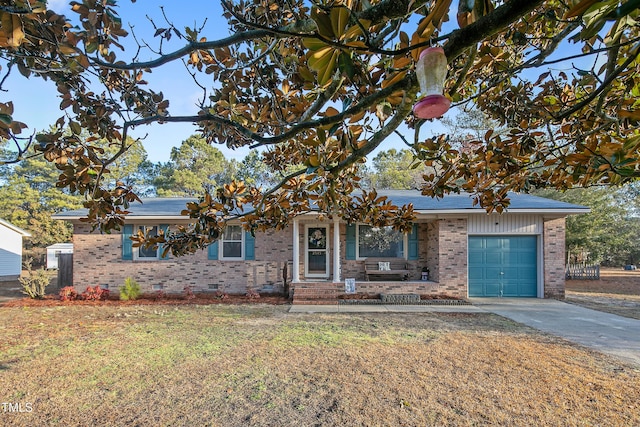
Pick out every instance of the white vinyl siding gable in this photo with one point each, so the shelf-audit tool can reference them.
(10, 252)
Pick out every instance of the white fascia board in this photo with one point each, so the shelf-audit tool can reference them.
(23, 233)
(558, 212)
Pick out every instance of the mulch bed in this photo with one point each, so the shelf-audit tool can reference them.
(54, 301)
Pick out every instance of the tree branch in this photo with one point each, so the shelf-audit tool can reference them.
(487, 26)
(402, 112)
(604, 86)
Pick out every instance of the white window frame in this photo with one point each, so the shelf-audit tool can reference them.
(405, 244)
(136, 251)
(242, 244)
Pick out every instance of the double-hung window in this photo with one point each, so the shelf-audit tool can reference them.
(232, 242)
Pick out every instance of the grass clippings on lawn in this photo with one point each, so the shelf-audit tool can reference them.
(259, 365)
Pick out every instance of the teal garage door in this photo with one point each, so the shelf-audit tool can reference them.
(503, 266)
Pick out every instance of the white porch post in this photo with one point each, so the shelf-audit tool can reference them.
(336, 250)
(295, 268)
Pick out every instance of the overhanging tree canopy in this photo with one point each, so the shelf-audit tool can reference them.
(319, 85)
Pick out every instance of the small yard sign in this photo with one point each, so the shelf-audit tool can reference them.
(350, 286)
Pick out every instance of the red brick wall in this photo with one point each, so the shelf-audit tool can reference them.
(98, 260)
(433, 255)
(554, 257)
(442, 248)
(452, 254)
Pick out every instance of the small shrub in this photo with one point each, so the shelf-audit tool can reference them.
(188, 292)
(220, 295)
(130, 290)
(68, 293)
(95, 294)
(252, 294)
(35, 282)
(158, 295)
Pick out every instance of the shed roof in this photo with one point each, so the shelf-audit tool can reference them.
(450, 204)
(60, 246)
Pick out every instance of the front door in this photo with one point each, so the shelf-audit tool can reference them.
(317, 251)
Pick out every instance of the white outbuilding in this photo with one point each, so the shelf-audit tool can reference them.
(54, 251)
(10, 250)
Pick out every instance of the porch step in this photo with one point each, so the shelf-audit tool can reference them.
(317, 293)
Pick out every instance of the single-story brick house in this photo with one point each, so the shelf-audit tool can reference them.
(468, 253)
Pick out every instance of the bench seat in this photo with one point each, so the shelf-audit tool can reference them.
(397, 269)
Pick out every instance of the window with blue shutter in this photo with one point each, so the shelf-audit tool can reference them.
(413, 243)
(127, 244)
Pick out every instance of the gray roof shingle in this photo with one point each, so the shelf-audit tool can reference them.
(452, 203)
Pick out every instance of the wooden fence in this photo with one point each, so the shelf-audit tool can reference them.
(583, 271)
(65, 270)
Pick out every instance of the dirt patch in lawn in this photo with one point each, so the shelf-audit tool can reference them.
(258, 365)
(617, 291)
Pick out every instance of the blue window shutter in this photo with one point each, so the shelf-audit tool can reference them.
(164, 228)
(127, 244)
(350, 248)
(249, 247)
(212, 251)
(413, 242)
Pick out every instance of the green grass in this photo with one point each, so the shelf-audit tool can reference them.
(259, 365)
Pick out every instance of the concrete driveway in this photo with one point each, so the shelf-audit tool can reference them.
(608, 333)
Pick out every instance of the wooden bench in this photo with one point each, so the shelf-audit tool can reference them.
(397, 269)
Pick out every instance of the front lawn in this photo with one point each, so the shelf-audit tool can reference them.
(617, 292)
(259, 365)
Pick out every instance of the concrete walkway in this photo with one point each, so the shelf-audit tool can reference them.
(604, 332)
(383, 308)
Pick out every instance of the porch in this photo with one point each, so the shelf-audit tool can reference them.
(330, 293)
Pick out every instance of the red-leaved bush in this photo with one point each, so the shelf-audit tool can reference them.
(252, 294)
(68, 293)
(95, 293)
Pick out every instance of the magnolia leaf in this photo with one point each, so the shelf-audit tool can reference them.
(346, 65)
(323, 22)
(579, 8)
(434, 19)
(339, 20)
(11, 30)
(324, 63)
